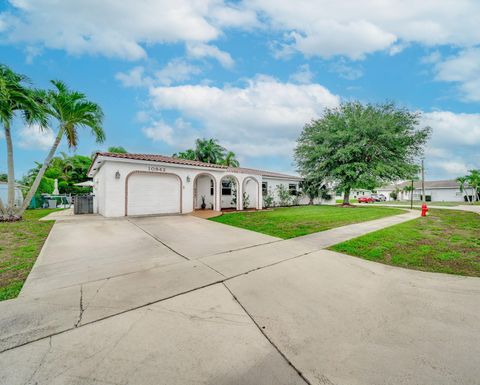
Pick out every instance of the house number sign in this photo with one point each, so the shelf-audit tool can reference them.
(156, 169)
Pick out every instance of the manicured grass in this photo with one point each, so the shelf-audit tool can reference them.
(446, 241)
(20, 244)
(292, 222)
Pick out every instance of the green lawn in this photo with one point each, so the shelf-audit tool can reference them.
(292, 222)
(446, 241)
(20, 243)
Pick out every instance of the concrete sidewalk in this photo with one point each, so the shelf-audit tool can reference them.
(471, 208)
(165, 310)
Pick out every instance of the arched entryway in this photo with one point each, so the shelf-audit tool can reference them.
(204, 192)
(229, 190)
(251, 193)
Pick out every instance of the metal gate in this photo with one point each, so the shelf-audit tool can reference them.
(83, 204)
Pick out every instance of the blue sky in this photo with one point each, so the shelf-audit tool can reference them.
(249, 73)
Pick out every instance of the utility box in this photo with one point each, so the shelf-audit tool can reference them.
(83, 204)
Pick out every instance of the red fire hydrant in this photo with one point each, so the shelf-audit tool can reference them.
(424, 210)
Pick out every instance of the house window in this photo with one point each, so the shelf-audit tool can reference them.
(292, 187)
(264, 188)
(211, 187)
(226, 187)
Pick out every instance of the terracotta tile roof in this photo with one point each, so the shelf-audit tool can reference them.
(160, 158)
(187, 162)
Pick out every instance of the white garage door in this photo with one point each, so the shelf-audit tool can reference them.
(153, 194)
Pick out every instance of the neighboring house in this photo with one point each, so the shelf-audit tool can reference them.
(354, 194)
(4, 193)
(146, 184)
(435, 191)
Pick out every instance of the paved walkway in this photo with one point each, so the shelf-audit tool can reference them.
(472, 208)
(187, 301)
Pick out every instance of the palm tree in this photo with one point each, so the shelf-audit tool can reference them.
(187, 154)
(209, 151)
(117, 150)
(473, 179)
(462, 180)
(15, 98)
(230, 160)
(71, 109)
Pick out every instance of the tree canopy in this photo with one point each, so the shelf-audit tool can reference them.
(361, 146)
(209, 151)
(67, 169)
(117, 150)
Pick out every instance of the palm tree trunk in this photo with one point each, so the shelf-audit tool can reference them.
(11, 172)
(3, 213)
(41, 172)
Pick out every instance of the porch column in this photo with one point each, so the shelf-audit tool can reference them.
(240, 194)
(260, 194)
(218, 194)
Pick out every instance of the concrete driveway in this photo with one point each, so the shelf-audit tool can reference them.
(181, 300)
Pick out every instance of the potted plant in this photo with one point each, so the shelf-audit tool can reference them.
(203, 205)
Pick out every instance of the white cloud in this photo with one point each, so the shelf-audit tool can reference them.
(179, 136)
(134, 78)
(118, 28)
(463, 69)
(33, 137)
(313, 27)
(175, 71)
(200, 51)
(453, 147)
(451, 129)
(327, 28)
(431, 58)
(345, 70)
(159, 132)
(262, 118)
(303, 76)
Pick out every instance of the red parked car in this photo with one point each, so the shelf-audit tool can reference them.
(366, 200)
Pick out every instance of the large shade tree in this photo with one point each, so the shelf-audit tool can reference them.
(16, 98)
(361, 146)
(71, 110)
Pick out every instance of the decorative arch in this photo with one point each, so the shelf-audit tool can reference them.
(214, 188)
(259, 188)
(152, 173)
(239, 186)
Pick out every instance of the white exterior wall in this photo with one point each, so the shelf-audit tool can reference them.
(437, 194)
(110, 192)
(253, 188)
(272, 184)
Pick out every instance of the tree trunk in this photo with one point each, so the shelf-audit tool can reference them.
(41, 172)
(346, 196)
(11, 173)
(3, 212)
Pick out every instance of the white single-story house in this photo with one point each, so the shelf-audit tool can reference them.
(435, 191)
(355, 194)
(149, 184)
(4, 194)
